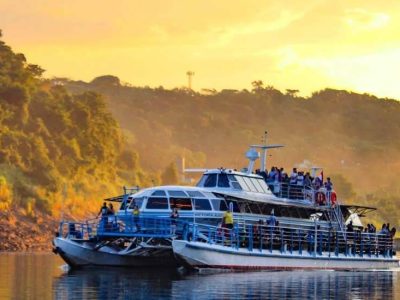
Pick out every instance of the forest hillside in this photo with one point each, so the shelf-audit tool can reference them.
(58, 152)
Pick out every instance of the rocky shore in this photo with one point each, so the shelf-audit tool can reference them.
(19, 232)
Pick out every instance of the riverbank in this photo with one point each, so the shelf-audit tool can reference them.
(19, 232)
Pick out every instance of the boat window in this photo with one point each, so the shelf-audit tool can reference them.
(159, 193)
(242, 183)
(201, 204)
(209, 195)
(257, 185)
(181, 203)
(211, 180)
(136, 201)
(264, 186)
(236, 185)
(234, 182)
(235, 205)
(219, 204)
(250, 184)
(177, 194)
(194, 194)
(202, 180)
(157, 203)
(223, 180)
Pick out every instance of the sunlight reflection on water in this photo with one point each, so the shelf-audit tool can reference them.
(45, 276)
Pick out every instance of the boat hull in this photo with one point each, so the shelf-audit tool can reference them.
(80, 254)
(202, 255)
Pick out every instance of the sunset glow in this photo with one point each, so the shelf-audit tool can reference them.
(305, 45)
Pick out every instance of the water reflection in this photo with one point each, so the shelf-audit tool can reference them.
(142, 284)
(39, 276)
(115, 283)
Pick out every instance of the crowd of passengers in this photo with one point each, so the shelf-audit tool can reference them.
(268, 233)
(293, 186)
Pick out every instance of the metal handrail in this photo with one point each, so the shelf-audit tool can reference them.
(287, 240)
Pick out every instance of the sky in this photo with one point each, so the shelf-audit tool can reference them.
(289, 44)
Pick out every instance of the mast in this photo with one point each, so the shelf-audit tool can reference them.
(264, 147)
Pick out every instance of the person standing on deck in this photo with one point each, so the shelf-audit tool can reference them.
(136, 216)
(174, 216)
(272, 219)
(227, 219)
(104, 219)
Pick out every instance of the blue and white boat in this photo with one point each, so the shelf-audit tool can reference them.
(309, 235)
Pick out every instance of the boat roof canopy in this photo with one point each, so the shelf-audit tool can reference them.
(360, 210)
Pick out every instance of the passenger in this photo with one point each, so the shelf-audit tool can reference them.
(317, 183)
(310, 241)
(300, 179)
(293, 177)
(277, 179)
(285, 185)
(227, 219)
(384, 230)
(392, 232)
(174, 216)
(350, 227)
(271, 176)
(329, 184)
(136, 217)
(104, 219)
(103, 210)
(281, 172)
(110, 216)
(257, 232)
(272, 219)
(264, 175)
(110, 209)
(307, 180)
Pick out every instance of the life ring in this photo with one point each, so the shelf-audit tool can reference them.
(321, 198)
(333, 198)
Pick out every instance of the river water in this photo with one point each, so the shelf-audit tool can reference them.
(45, 276)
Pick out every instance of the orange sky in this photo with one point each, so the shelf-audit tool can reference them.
(305, 45)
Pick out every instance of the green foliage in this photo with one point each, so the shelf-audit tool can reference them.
(50, 139)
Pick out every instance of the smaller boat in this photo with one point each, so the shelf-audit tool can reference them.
(257, 246)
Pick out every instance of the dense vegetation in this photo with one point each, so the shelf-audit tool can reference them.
(54, 145)
(353, 136)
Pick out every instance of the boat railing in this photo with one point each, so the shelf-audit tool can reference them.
(285, 240)
(78, 230)
(122, 226)
(317, 196)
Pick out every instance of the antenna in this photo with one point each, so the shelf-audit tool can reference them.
(264, 147)
(190, 74)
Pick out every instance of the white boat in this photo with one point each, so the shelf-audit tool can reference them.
(285, 252)
(122, 240)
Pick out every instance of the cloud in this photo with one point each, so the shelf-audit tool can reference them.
(360, 19)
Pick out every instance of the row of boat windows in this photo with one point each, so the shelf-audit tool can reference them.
(237, 182)
(183, 203)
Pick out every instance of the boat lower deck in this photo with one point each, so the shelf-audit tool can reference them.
(197, 254)
(86, 253)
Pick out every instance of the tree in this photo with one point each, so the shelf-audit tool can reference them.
(106, 80)
(258, 85)
(292, 93)
(170, 175)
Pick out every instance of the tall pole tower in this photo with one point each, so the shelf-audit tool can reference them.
(190, 74)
